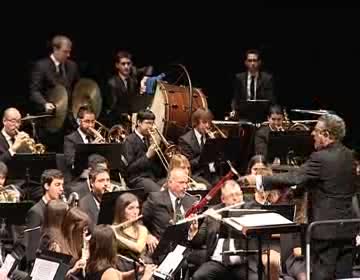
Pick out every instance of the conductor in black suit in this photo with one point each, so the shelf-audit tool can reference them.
(52, 182)
(56, 69)
(144, 169)
(275, 123)
(329, 176)
(253, 84)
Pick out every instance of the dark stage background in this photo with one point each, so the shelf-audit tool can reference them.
(313, 55)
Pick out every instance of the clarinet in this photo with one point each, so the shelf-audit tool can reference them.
(85, 250)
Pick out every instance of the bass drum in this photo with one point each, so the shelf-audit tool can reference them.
(299, 127)
(172, 109)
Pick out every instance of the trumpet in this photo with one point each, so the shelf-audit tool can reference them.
(35, 148)
(98, 137)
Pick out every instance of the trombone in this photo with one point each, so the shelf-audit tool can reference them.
(212, 134)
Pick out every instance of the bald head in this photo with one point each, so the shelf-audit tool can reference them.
(11, 121)
(178, 181)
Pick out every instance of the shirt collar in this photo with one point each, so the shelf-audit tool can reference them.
(7, 136)
(198, 135)
(82, 134)
(139, 134)
(56, 62)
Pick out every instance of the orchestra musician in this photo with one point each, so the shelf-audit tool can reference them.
(52, 182)
(101, 264)
(193, 141)
(130, 234)
(330, 172)
(11, 140)
(57, 68)
(83, 135)
(143, 168)
(166, 207)
(275, 123)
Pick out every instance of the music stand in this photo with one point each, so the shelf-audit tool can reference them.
(173, 235)
(286, 210)
(14, 213)
(108, 204)
(30, 166)
(254, 111)
(283, 144)
(112, 152)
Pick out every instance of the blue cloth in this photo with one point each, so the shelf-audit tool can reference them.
(151, 83)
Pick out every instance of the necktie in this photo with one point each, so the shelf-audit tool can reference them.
(12, 140)
(62, 70)
(202, 142)
(252, 88)
(178, 215)
(88, 138)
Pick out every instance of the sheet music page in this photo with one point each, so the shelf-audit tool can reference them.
(263, 219)
(7, 265)
(44, 270)
(171, 262)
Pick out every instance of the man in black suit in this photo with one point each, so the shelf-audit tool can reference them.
(275, 122)
(56, 69)
(329, 175)
(253, 84)
(166, 207)
(123, 87)
(52, 181)
(11, 141)
(192, 143)
(83, 135)
(100, 183)
(143, 167)
(215, 236)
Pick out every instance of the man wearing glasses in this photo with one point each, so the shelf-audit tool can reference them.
(11, 140)
(329, 176)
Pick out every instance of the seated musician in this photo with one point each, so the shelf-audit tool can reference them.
(82, 185)
(11, 140)
(70, 240)
(166, 207)
(192, 143)
(130, 233)
(102, 258)
(10, 193)
(53, 219)
(83, 135)
(211, 233)
(52, 181)
(275, 122)
(144, 169)
(90, 203)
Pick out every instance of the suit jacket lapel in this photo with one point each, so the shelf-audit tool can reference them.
(3, 141)
(195, 143)
(260, 80)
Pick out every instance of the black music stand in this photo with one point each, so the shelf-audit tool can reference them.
(220, 150)
(287, 145)
(108, 203)
(62, 259)
(255, 111)
(30, 167)
(286, 210)
(113, 152)
(173, 235)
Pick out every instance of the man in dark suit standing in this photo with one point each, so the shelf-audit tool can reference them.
(52, 181)
(166, 207)
(253, 84)
(11, 140)
(192, 143)
(56, 69)
(329, 175)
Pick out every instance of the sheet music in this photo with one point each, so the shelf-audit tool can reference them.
(255, 220)
(44, 270)
(7, 265)
(171, 262)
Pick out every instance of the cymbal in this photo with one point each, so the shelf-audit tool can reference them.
(314, 112)
(86, 92)
(29, 117)
(59, 97)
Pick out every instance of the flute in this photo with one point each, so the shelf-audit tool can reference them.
(187, 220)
(127, 223)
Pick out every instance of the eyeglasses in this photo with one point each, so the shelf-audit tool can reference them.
(14, 120)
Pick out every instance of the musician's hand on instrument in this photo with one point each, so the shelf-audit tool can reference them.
(232, 114)
(152, 242)
(248, 181)
(143, 85)
(151, 152)
(194, 228)
(80, 264)
(20, 139)
(49, 107)
(148, 271)
(212, 213)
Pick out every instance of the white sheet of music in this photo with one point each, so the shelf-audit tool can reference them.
(7, 265)
(44, 270)
(255, 220)
(170, 263)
